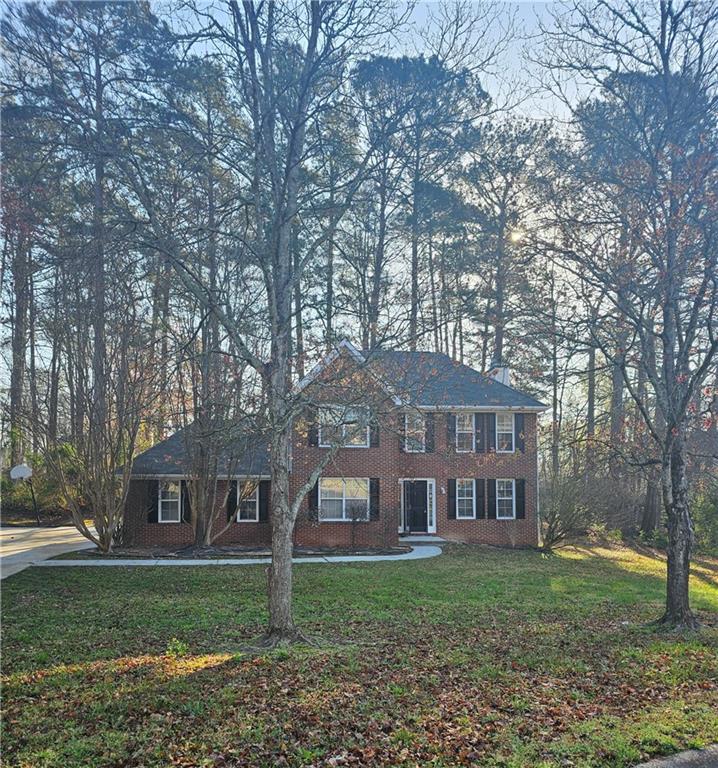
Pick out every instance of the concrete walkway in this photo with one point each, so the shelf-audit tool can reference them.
(21, 547)
(694, 758)
(417, 553)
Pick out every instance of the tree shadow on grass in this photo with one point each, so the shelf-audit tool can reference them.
(699, 565)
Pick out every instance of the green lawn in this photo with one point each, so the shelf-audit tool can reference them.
(478, 657)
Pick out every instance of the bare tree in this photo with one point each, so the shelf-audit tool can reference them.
(649, 152)
(285, 57)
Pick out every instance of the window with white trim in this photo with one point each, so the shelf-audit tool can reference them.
(248, 502)
(505, 432)
(343, 498)
(414, 432)
(505, 499)
(348, 426)
(170, 502)
(465, 500)
(464, 432)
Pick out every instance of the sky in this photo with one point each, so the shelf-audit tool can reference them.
(514, 78)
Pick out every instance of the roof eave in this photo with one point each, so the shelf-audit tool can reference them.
(488, 408)
(178, 476)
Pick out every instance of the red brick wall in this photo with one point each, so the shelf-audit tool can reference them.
(144, 534)
(389, 464)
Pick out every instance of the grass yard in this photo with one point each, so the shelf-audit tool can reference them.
(478, 657)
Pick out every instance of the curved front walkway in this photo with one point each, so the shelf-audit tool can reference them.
(417, 553)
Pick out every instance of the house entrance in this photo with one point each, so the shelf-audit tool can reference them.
(417, 506)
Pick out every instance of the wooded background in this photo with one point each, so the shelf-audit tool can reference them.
(430, 214)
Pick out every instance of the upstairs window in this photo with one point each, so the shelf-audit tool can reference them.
(505, 432)
(346, 426)
(505, 500)
(343, 499)
(170, 502)
(464, 432)
(248, 502)
(465, 501)
(414, 432)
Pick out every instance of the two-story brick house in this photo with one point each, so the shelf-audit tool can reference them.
(431, 446)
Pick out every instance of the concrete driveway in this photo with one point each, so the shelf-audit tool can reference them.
(22, 547)
(694, 758)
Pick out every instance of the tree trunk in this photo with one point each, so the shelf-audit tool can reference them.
(591, 411)
(651, 506)
(99, 423)
(378, 267)
(414, 308)
(32, 348)
(20, 269)
(432, 283)
(680, 537)
(444, 301)
(485, 337)
(329, 297)
(499, 319)
(281, 621)
(55, 363)
(617, 427)
(298, 314)
(555, 402)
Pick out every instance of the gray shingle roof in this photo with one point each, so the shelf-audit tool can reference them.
(248, 456)
(433, 379)
(430, 379)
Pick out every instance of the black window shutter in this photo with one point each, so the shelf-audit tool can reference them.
(313, 427)
(374, 435)
(373, 498)
(314, 497)
(490, 432)
(451, 431)
(402, 432)
(519, 442)
(231, 499)
(264, 486)
(491, 499)
(520, 499)
(451, 500)
(186, 506)
(480, 490)
(429, 425)
(480, 432)
(153, 499)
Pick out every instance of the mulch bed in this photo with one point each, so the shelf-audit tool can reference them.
(213, 553)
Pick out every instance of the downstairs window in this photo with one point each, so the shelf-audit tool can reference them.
(343, 499)
(170, 502)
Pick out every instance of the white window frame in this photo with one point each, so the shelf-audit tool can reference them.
(472, 516)
(342, 410)
(505, 432)
(160, 483)
(344, 518)
(240, 500)
(465, 432)
(513, 498)
(418, 415)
